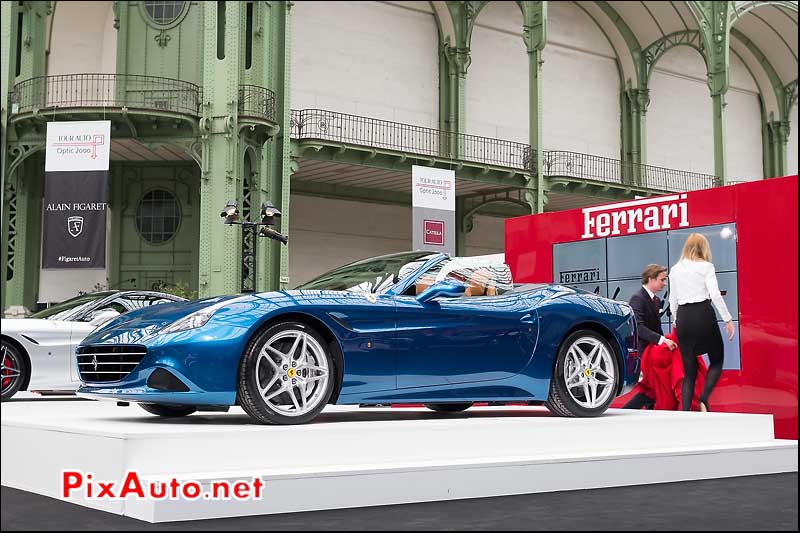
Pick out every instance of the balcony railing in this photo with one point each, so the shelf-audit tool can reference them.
(605, 169)
(258, 102)
(107, 90)
(376, 133)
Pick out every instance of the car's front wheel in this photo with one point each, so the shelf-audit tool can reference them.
(14, 371)
(286, 375)
(585, 378)
(169, 411)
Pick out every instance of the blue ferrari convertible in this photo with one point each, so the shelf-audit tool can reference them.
(415, 327)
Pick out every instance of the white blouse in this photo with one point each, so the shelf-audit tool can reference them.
(695, 281)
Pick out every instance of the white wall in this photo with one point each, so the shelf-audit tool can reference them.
(791, 149)
(487, 236)
(328, 233)
(743, 146)
(83, 39)
(580, 99)
(497, 79)
(680, 127)
(371, 59)
(680, 130)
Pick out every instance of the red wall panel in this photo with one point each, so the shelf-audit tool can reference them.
(765, 213)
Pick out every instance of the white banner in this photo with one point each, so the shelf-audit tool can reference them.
(434, 188)
(76, 146)
(433, 217)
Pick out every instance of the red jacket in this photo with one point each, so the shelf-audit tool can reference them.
(662, 376)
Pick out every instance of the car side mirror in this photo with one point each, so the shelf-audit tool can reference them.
(447, 288)
(98, 318)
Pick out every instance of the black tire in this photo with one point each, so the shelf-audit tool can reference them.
(448, 407)
(168, 411)
(250, 376)
(560, 401)
(15, 370)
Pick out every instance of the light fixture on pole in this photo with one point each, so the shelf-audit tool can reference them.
(230, 213)
(252, 230)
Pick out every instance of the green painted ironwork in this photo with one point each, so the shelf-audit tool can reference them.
(534, 34)
(656, 50)
(244, 108)
(219, 249)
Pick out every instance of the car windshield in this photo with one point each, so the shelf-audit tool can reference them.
(375, 275)
(71, 307)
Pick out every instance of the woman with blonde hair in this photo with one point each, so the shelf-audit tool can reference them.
(693, 288)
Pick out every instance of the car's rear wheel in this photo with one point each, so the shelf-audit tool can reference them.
(449, 407)
(169, 411)
(286, 375)
(14, 370)
(585, 378)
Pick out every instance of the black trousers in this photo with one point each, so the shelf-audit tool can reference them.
(698, 333)
(640, 400)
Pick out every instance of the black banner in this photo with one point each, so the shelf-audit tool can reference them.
(74, 226)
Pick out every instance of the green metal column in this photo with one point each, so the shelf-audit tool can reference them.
(781, 143)
(21, 229)
(718, 100)
(220, 269)
(717, 39)
(463, 226)
(455, 60)
(17, 272)
(8, 66)
(535, 35)
(279, 161)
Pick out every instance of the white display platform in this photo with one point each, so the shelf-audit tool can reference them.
(351, 457)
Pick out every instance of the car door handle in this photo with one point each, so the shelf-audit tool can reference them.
(529, 318)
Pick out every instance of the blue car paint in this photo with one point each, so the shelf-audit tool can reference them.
(395, 349)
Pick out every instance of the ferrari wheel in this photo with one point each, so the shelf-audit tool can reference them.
(169, 411)
(585, 378)
(14, 370)
(449, 407)
(286, 375)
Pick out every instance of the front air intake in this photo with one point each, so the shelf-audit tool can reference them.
(108, 362)
(165, 380)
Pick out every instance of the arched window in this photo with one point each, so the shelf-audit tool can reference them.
(158, 216)
(163, 12)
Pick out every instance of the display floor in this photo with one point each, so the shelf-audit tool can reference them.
(351, 457)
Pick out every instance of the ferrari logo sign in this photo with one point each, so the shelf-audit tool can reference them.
(75, 225)
(94, 362)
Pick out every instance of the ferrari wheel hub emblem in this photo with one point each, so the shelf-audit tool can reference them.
(291, 372)
(587, 373)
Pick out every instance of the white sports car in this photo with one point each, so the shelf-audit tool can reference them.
(38, 352)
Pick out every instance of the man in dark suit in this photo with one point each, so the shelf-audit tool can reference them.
(647, 307)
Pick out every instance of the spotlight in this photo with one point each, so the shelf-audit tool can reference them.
(269, 213)
(266, 231)
(230, 213)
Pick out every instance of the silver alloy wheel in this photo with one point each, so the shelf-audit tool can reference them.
(589, 372)
(10, 370)
(293, 382)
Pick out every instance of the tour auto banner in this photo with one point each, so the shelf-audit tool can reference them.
(434, 209)
(76, 194)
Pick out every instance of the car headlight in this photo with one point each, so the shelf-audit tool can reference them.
(195, 320)
(198, 318)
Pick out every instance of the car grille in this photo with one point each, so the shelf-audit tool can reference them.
(109, 362)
